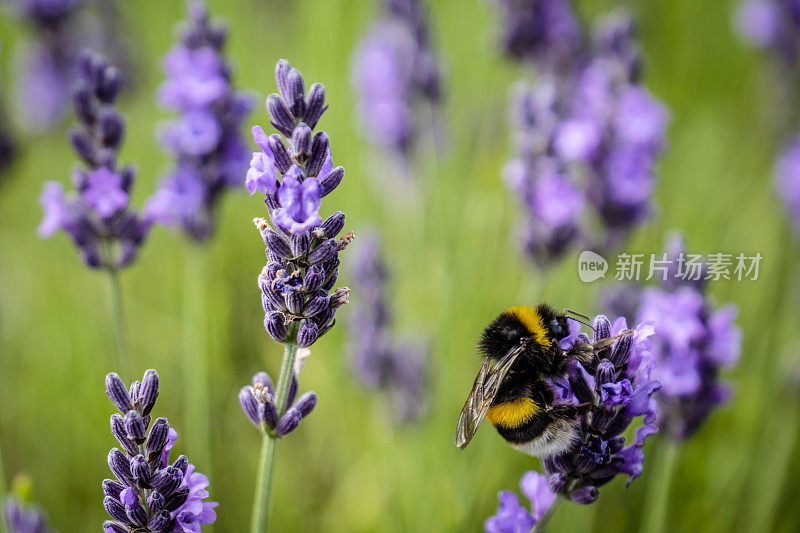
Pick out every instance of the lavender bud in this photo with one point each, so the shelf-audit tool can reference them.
(282, 69)
(83, 144)
(137, 515)
(112, 128)
(113, 527)
(583, 392)
(275, 324)
(118, 430)
(319, 151)
(141, 471)
(331, 281)
(82, 103)
(294, 302)
(167, 480)
(340, 297)
(134, 426)
(282, 158)
(249, 405)
(265, 381)
(557, 482)
(306, 403)
(297, 93)
(621, 350)
(293, 386)
(315, 104)
(281, 116)
(323, 252)
(333, 224)
(155, 501)
(158, 436)
(584, 495)
(120, 466)
(268, 414)
(149, 391)
(112, 488)
(109, 85)
(307, 333)
(332, 180)
(605, 372)
(160, 522)
(300, 244)
(115, 509)
(176, 499)
(301, 141)
(289, 422)
(313, 280)
(181, 463)
(116, 391)
(316, 304)
(134, 391)
(277, 244)
(602, 328)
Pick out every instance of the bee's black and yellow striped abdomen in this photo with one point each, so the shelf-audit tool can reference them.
(513, 414)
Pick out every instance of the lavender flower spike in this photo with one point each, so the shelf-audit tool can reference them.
(771, 24)
(620, 384)
(97, 216)
(258, 403)
(398, 369)
(695, 342)
(150, 494)
(49, 64)
(303, 252)
(21, 518)
(511, 517)
(210, 154)
(395, 72)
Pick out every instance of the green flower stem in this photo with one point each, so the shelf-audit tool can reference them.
(541, 525)
(3, 488)
(120, 330)
(263, 496)
(196, 357)
(654, 517)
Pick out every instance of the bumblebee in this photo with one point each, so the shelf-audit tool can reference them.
(521, 355)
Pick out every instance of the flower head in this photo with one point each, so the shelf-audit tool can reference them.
(302, 250)
(511, 517)
(22, 518)
(397, 368)
(150, 494)
(97, 215)
(395, 72)
(620, 383)
(588, 136)
(210, 154)
(259, 404)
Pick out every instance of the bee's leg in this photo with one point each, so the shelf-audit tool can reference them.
(586, 353)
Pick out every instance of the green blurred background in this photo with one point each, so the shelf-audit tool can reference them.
(455, 265)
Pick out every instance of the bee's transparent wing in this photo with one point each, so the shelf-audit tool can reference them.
(483, 393)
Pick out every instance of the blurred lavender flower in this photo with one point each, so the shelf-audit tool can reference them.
(96, 216)
(787, 180)
(511, 517)
(399, 369)
(694, 342)
(773, 24)
(394, 72)
(545, 31)
(302, 250)
(211, 156)
(48, 65)
(620, 383)
(588, 135)
(258, 403)
(21, 518)
(150, 494)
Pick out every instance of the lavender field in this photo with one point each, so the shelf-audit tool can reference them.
(289, 223)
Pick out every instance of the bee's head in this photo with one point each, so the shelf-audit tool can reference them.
(556, 323)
